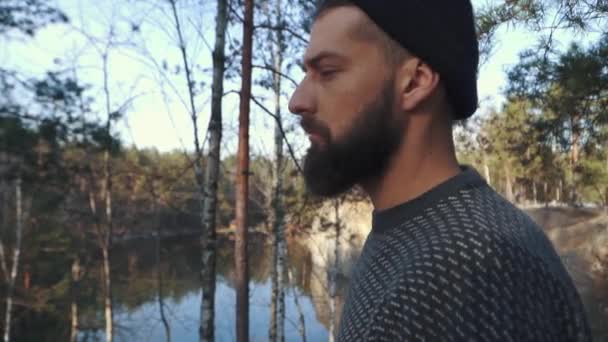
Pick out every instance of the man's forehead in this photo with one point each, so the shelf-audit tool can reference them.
(340, 17)
(315, 56)
(334, 32)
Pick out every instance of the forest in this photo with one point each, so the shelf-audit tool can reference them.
(210, 234)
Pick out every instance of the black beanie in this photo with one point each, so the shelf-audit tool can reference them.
(440, 32)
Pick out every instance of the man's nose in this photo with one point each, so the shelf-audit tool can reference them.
(302, 100)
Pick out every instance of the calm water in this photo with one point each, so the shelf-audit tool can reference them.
(137, 312)
(143, 323)
(136, 295)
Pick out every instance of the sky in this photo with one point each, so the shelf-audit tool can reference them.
(157, 112)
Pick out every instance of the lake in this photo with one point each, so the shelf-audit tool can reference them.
(137, 313)
(136, 296)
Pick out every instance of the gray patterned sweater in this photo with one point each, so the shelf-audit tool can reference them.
(460, 263)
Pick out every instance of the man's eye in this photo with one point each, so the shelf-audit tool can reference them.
(328, 73)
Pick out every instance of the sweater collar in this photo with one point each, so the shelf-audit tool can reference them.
(467, 178)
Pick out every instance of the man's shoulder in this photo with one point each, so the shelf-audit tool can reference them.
(470, 265)
(508, 231)
(474, 279)
(483, 212)
(470, 232)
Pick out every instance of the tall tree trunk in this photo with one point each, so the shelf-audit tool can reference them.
(107, 245)
(3, 262)
(487, 173)
(74, 290)
(242, 196)
(107, 295)
(4, 191)
(104, 241)
(574, 157)
(508, 184)
(207, 195)
(107, 197)
(278, 210)
(208, 237)
(486, 170)
(574, 141)
(606, 188)
(16, 253)
(281, 250)
(534, 195)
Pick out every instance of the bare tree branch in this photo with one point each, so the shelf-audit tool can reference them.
(201, 35)
(274, 71)
(293, 156)
(283, 28)
(193, 113)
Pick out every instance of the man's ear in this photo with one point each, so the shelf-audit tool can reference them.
(416, 82)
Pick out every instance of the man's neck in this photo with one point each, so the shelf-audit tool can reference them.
(421, 163)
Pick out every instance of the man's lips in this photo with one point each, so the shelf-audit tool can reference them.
(315, 138)
(312, 129)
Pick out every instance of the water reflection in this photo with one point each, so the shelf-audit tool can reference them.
(135, 292)
(138, 316)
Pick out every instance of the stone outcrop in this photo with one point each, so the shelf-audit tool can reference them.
(354, 219)
(583, 233)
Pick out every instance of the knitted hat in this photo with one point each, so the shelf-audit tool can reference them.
(440, 32)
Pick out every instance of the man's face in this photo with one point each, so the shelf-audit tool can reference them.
(346, 102)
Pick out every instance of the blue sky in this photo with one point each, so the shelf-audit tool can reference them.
(157, 115)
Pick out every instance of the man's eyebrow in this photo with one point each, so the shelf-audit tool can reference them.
(315, 60)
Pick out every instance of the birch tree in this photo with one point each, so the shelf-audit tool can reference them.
(209, 236)
(279, 246)
(100, 187)
(183, 81)
(23, 19)
(12, 276)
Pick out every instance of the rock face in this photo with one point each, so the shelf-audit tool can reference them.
(597, 251)
(560, 217)
(354, 220)
(583, 233)
(580, 236)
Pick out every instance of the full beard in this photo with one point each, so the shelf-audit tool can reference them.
(362, 155)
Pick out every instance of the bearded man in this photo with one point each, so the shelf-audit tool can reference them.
(448, 259)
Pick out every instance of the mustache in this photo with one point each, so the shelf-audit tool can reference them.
(313, 126)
